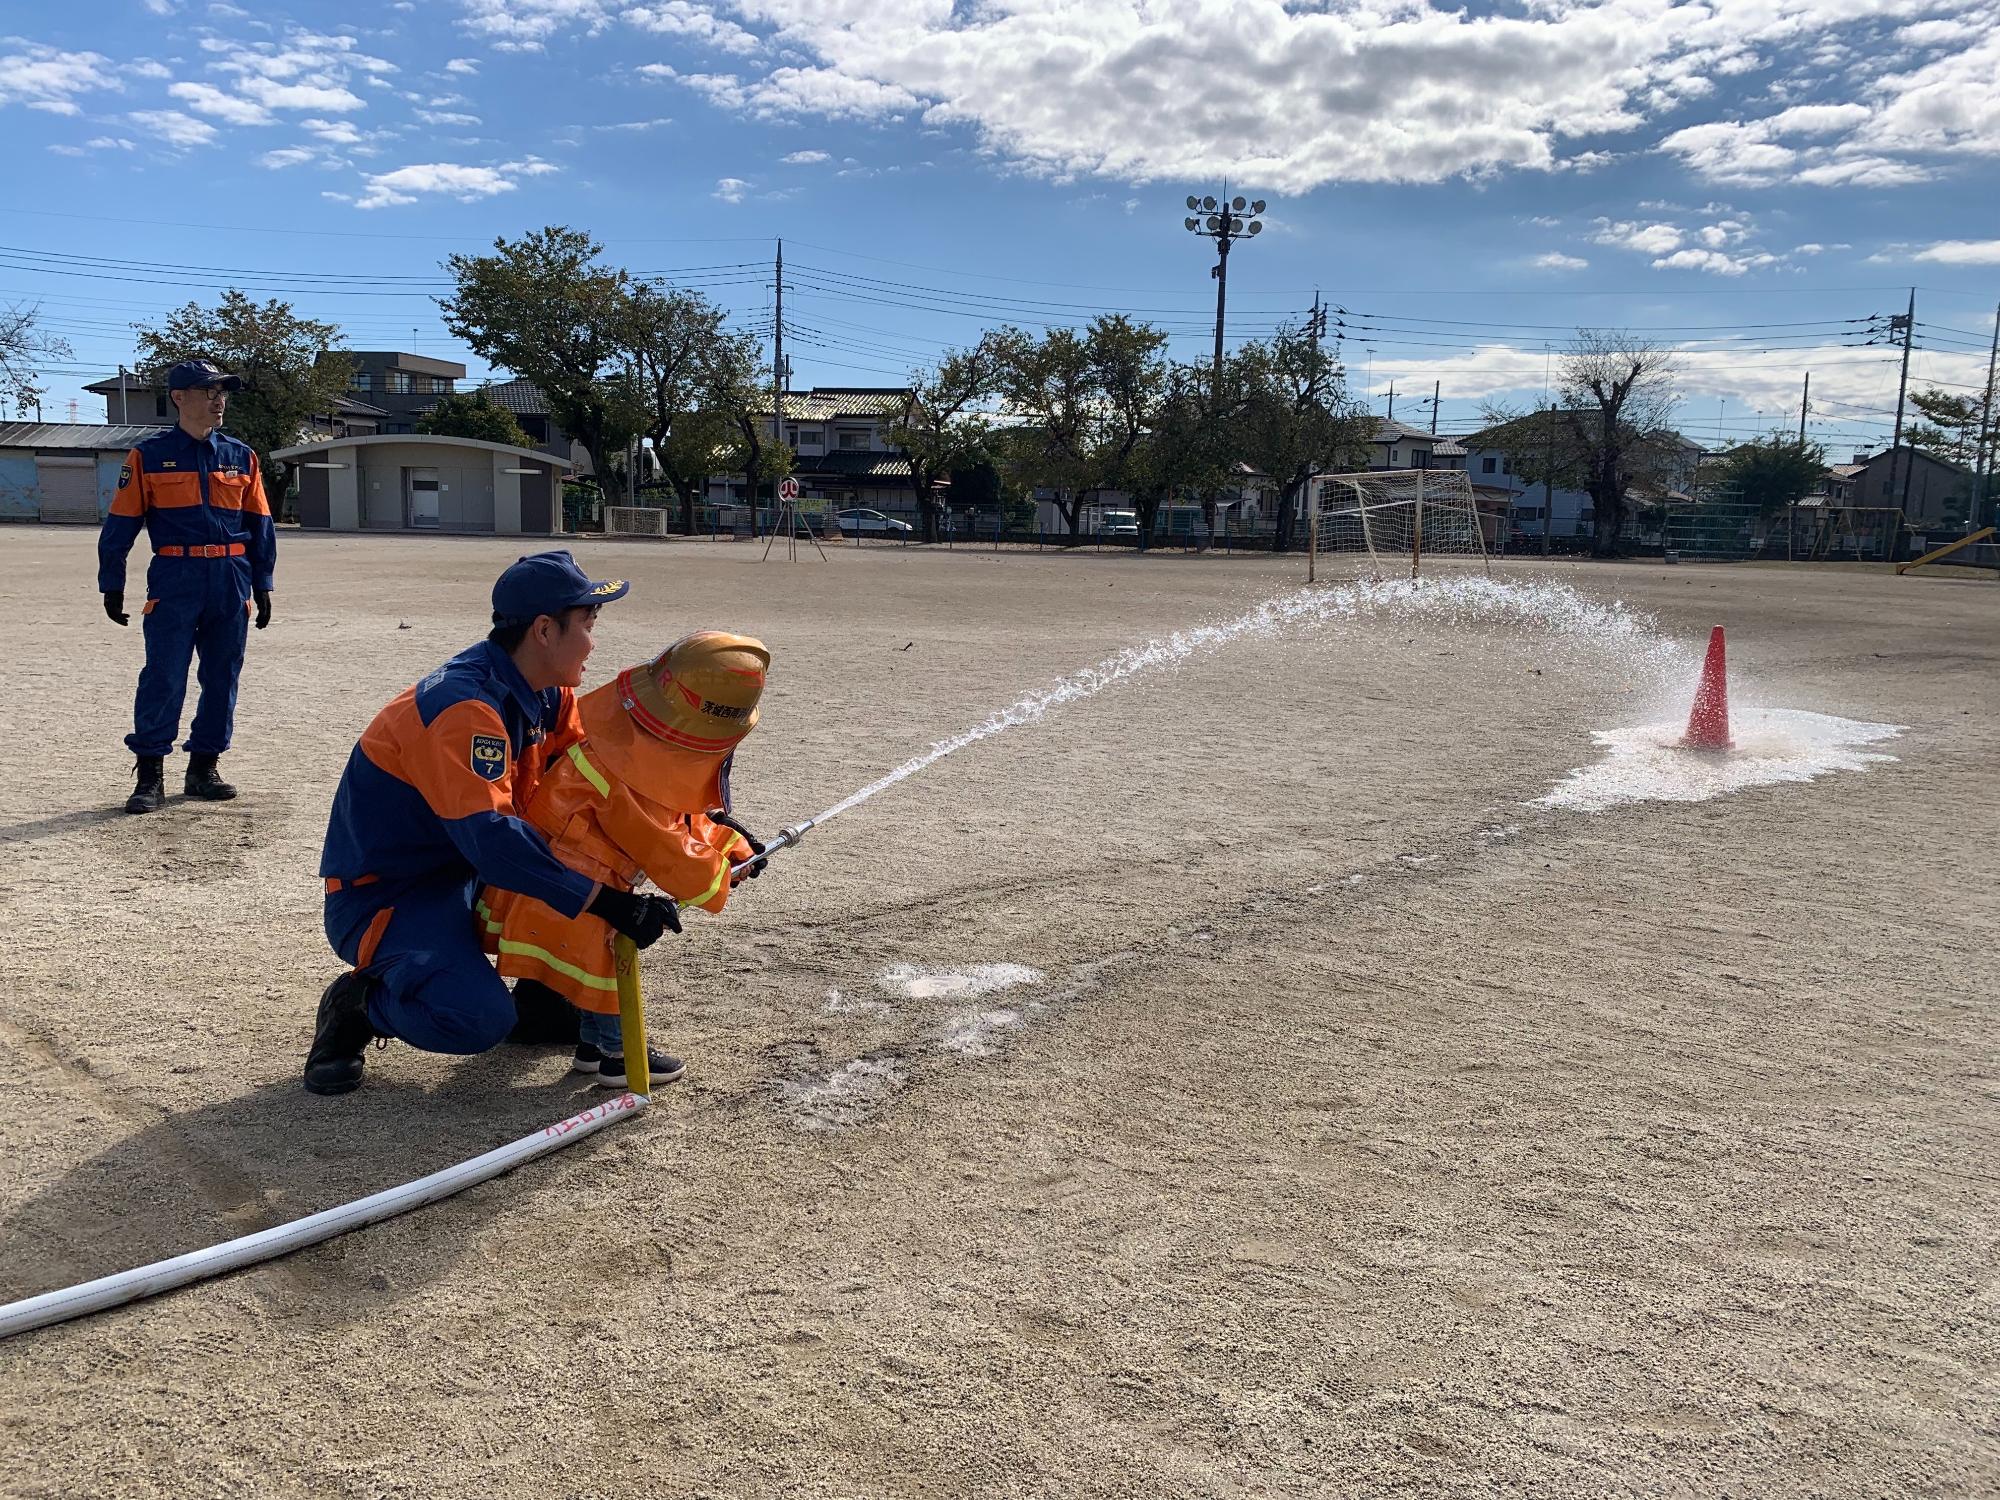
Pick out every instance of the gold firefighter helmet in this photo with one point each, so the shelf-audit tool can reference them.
(701, 692)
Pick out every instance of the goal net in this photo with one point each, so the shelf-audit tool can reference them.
(634, 520)
(1397, 518)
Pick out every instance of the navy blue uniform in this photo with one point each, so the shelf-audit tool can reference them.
(202, 504)
(425, 811)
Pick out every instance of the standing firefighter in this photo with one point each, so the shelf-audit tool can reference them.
(198, 495)
(426, 812)
(644, 792)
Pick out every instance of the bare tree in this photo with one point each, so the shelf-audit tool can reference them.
(23, 348)
(1617, 397)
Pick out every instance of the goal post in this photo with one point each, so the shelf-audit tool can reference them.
(1395, 518)
(635, 520)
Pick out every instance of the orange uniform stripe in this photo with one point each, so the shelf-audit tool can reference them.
(372, 938)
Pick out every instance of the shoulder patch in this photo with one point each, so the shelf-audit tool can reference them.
(489, 756)
(124, 475)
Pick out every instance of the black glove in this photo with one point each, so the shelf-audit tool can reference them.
(114, 607)
(756, 844)
(640, 918)
(263, 598)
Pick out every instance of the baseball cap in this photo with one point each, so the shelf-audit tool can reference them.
(547, 583)
(193, 373)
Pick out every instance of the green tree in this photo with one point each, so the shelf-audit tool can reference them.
(681, 361)
(1950, 429)
(1083, 403)
(543, 307)
(291, 374)
(23, 349)
(471, 414)
(1773, 472)
(942, 423)
(1187, 449)
(1293, 418)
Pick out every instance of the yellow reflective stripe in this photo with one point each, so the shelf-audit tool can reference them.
(590, 773)
(714, 886)
(486, 916)
(542, 955)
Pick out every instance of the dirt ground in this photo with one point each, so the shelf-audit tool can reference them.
(1365, 1129)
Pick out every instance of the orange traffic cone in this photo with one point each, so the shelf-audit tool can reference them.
(1708, 722)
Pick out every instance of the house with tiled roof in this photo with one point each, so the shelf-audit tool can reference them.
(842, 456)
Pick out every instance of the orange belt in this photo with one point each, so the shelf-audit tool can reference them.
(214, 549)
(334, 883)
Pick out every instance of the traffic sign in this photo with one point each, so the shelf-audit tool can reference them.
(788, 489)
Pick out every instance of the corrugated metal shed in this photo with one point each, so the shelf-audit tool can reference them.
(75, 437)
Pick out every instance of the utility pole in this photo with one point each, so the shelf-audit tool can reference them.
(1392, 401)
(1437, 388)
(778, 358)
(1907, 323)
(1549, 483)
(1316, 330)
(1805, 405)
(1984, 467)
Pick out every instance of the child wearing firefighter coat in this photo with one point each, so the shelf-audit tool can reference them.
(645, 792)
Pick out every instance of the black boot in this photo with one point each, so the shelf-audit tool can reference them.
(150, 795)
(341, 1036)
(204, 781)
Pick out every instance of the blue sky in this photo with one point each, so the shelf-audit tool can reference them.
(1748, 180)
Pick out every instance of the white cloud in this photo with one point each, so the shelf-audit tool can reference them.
(45, 78)
(159, 7)
(333, 132)
(1716, 262)
(147, 68)
(731, 189)
(1817, 119)
(524, 25)
(1647, 239)
(446, 117)
(1961, 253)
(108, 143)
(807, 158)
(207, 99)
(695, 23)
(447, 179)
(172, 127)
(462, 65)
(289, 156)
(636, 125)
(1555, 260)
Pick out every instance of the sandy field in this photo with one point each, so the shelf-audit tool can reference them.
(1235, 1082)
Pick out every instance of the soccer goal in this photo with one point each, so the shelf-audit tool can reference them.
(634, 520)
(1396, 518)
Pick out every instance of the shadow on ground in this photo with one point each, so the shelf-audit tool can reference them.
(207, 1175)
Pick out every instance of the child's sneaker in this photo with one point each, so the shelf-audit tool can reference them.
(610, 1069)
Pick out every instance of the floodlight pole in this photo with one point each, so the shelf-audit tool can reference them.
(1225, 222)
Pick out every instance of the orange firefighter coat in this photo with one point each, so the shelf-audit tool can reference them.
(618, 804)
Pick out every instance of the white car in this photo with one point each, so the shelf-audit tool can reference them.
(870, 523)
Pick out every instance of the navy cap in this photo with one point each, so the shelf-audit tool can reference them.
(547, 583)
(194, 373)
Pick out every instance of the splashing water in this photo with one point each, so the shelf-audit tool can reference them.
(1649, 763)
(1545, 606)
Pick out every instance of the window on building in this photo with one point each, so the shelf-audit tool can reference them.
(1488, 464)
(791, 437)
(362, 381)
(399, 382)
(1395, 457)
(852, 441)
(1420, 458)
